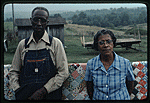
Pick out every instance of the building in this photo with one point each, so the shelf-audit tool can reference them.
(54, 28)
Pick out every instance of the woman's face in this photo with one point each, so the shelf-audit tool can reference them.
(105, 44)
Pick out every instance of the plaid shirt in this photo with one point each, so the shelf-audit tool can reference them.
(110, 84)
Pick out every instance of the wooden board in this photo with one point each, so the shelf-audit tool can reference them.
(129, 40)
(118, 42)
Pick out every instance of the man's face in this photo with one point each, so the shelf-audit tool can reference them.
(39, 20)
(105, 44)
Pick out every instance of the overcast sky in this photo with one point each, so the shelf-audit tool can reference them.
(70, 7)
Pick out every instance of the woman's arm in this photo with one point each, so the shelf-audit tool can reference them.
(130, 86)
(90, 89)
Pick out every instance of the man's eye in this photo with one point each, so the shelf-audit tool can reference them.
(35, 19)
(43, 20)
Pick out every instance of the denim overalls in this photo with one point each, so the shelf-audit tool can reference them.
(38, 69)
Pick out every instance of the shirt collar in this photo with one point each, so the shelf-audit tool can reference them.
(98, 63)
(115, 63)
(45, 38)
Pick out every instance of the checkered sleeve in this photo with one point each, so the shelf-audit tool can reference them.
(130, 75)
(88, 74)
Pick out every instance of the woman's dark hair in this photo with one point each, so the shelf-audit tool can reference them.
(103, 32)
(40, 8)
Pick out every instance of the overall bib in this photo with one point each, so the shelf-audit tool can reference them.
(38, 69)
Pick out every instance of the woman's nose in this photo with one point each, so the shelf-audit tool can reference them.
(106, 44)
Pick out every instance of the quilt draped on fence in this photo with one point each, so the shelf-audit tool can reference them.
(74, 88)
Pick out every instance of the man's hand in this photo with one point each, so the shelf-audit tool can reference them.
(39, 94)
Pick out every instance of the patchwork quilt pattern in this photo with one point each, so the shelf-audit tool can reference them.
(9, 94)
(141, 83)
(74, 88)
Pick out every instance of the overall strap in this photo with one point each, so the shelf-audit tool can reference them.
(26, 41)
(50, 40)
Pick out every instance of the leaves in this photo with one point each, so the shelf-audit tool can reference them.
(111, 18)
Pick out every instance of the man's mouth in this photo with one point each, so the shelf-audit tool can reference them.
(38, 29)
(106, 50)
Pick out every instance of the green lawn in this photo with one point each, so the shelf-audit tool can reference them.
(76, 53)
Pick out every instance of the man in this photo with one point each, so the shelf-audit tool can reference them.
(39, 66)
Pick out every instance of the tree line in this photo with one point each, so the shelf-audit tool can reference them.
(111, 17)
(54, 16)
(105, 17)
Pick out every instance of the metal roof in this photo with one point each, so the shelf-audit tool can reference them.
(27, 22)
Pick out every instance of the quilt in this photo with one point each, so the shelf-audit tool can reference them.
(74, 88)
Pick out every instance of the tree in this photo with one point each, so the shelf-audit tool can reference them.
(82, 15)
(9, 19)
(83, 22)
(142, 18)
(57, 15)
(111, 17)
(96, 23)
(75, 19)
(117, 21)
(124, 17)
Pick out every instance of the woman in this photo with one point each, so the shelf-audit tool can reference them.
(106, 74)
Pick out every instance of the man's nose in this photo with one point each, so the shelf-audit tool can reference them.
(39, 22)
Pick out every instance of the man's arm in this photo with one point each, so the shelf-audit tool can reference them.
(61, 65)
(15, 69)
(90, 89)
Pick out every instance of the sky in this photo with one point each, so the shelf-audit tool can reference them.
(70, 7)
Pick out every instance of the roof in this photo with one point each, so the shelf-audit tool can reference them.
(27, 22)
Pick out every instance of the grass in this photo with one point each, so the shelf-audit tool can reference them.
(76, 53)
(8, 56)
(8, 25)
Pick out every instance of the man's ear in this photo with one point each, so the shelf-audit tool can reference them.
(47, 21)
(31, 20)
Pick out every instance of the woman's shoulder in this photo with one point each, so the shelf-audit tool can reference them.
(93, 60)
(120, 58)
